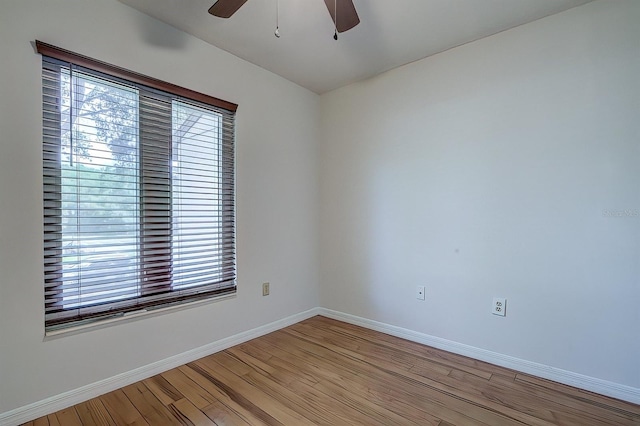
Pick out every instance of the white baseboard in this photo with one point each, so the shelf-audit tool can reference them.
(67, 399)
(603, 387)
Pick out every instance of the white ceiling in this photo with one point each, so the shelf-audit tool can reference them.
(391, 32)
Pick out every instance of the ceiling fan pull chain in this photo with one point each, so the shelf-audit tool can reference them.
(335, 20)
(277, 31)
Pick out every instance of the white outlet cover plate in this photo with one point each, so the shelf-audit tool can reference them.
(420, 292)
(499, 306)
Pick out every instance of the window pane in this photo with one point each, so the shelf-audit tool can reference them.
(197, 196)
(99, 176)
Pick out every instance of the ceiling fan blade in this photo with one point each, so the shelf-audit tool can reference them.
(226, 8)
(347, 15)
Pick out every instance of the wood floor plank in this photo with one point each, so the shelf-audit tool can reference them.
(259, 399)
(221, 415)
(53, 420)
(326, 372)
(560, 389)
(539, 396)
(518, 399)
(93, 412)
(69, 416)
(240, 406)
(317, 413)
(49, 420)
(190, 389)
(324, 401)
(273, 388)
(121, 409)
(189, 413)
(153, 411)
(263, 355)
(501, 378)
(163, 390)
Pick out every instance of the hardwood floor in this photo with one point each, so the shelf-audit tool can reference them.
(322, 371)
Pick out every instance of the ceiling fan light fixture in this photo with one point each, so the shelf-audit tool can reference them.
(348, 15)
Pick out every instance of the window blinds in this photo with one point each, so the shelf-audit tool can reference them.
(139, 207)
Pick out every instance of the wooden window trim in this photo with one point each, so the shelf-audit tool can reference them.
(85, 61)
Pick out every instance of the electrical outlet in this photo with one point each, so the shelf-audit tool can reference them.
(499, 306)
(420, 292)
(265, 289)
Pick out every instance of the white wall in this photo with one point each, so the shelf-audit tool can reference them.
(277, 128)
(484, 171)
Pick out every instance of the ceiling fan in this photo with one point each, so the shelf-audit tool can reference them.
(347, 17)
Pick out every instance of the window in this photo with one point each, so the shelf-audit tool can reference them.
(138, 177)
